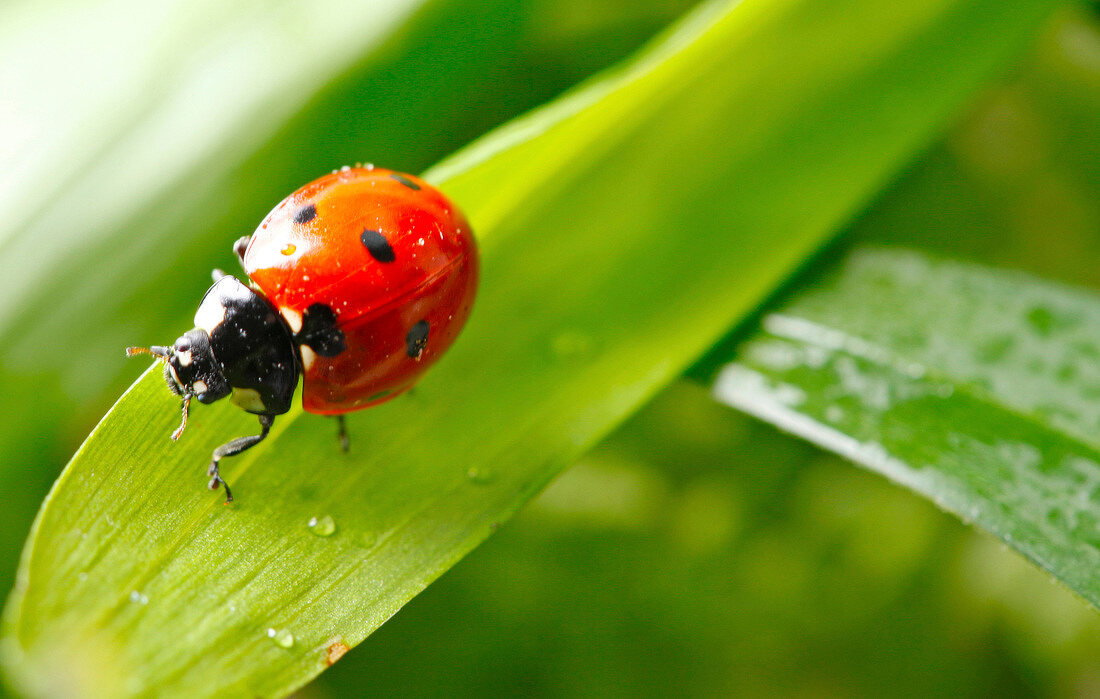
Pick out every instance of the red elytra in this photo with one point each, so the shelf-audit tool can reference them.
(392, 258)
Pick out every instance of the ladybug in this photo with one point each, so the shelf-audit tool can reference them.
(358, 282)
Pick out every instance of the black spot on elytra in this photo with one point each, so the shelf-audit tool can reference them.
(416, 339)
(405, 181)
(319, 331)
(377, 245)
(305, 214)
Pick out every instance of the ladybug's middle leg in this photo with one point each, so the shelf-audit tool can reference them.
(232, 448)
(342, 432)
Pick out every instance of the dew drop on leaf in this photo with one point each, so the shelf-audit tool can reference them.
(478, 475)
(571, 344)
(282, 637)
(322, 526)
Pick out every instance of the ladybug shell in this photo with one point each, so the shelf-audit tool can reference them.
(382, 257)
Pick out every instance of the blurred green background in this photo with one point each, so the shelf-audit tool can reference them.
(696, 551)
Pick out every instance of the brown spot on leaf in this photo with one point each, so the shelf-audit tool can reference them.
(335, 651)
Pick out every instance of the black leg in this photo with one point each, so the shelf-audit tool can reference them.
(232, 449)
(240, 246)
(342, 433)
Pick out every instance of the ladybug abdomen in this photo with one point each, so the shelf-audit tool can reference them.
(374, 273)
(389, 349)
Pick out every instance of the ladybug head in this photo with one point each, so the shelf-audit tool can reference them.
(190, 370)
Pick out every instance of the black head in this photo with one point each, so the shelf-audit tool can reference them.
(191, 369)
(240, 347)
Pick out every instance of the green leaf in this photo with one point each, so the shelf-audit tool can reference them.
(430, 68)
(978, 388)
(609, 224)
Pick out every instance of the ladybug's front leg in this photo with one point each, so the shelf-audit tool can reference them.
(233, 448)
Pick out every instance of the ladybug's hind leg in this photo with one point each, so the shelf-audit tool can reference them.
(342, 432)
(233, 448)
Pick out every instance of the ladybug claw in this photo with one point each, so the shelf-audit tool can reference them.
(215, 483)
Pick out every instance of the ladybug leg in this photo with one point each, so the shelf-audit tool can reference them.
(185, 406)
(240, 246)
(342, 432)
(233, 448)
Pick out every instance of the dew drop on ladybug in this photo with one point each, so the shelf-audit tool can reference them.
(359, 281)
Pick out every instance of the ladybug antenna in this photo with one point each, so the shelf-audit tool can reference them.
(184, 407)
(155, 350)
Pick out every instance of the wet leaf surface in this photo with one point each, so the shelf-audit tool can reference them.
(979, 388)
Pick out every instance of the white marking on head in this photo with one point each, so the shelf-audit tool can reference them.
(308, 357)
(184, 358)
(293, 319)
(247, 399)
(209, 316)
(175, 376)
(199, 386)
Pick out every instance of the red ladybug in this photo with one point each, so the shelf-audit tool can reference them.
(360, 280)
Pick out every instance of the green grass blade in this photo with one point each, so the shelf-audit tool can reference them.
(609, 222)
(975, 387)
(430, 69)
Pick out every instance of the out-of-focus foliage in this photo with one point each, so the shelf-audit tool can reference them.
(1015, 183)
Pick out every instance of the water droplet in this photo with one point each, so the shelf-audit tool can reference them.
(368, 539)
(82, 576)
(282, 638)
(288, 249)
(322, 526)
(479, 475)
(138, 598)
(570, 343)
